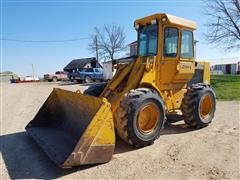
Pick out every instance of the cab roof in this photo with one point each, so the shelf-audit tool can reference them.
(170, 19)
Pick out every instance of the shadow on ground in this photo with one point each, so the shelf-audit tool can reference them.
(176, 125)
(24, 159)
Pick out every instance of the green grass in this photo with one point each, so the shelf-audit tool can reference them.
(226, 87)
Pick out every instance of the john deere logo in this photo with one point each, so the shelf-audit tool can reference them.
(185, 66)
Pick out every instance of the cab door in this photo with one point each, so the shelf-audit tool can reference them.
(186, 65)
(169, 57)
(176, 64)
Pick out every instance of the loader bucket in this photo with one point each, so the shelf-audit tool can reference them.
(74, 129)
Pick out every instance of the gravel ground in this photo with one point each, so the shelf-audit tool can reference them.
(180, 153)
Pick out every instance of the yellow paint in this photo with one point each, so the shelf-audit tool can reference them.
(206, 72)
(148, 118)
(206, 106)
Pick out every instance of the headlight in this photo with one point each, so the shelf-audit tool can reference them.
(136, 26)
(154, 21)
(164, 19)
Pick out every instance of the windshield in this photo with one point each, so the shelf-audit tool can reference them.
(147, 40)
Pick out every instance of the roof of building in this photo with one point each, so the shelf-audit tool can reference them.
(134, 42)
(219, 61)
(80, 63)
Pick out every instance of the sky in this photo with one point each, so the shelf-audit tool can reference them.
(60, 20)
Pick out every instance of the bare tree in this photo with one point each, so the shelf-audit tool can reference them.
(107, 42)
(224, 23)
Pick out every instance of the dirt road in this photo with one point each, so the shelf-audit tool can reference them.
(180, 153)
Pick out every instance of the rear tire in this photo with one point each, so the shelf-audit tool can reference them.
(140, 117)
(88, 79)
(199, 105)
(54, 79)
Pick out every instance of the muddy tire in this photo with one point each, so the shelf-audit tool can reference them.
(140, 117)
(199, 105)
(95, 90)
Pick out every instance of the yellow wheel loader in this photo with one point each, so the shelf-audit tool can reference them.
(75, 129)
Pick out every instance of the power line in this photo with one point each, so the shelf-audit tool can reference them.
(42, 41)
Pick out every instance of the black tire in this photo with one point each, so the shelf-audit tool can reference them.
(192, 105)
(88, 79)
(71, 78)
(54, 79)
(127, 114)
(95, 90)
(79, 81)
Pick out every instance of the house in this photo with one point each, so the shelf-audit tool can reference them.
(133, 48)
(225, 65)
(77, 64)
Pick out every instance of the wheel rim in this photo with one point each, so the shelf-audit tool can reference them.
(88, 79)
(148, 118)
(206, 106)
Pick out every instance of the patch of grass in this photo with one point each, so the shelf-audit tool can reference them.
(226, 87)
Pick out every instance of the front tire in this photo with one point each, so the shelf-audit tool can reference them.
(140, 117)
(199, 105)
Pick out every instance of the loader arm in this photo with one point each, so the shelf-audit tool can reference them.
(127, 77)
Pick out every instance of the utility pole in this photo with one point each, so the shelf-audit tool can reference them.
(32, 71)
(96, 41)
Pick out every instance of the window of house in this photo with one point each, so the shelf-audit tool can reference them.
(170, 42)
(187, 44)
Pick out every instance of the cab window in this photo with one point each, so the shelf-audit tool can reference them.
(147, 39)
(170, 42)
(187, 44)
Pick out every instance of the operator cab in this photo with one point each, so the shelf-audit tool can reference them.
(165, 35)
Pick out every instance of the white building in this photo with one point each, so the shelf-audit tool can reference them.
(108, 72)
(225, 65)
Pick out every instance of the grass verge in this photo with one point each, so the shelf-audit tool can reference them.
(226, 87)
